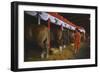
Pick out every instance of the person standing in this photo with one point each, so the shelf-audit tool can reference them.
(77, 40)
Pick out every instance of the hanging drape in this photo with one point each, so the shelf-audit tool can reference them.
(57, 19)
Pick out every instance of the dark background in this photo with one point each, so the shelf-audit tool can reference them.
(82, 20)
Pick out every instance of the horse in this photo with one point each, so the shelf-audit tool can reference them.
(59, 39)
(40, 35)
(56, 38)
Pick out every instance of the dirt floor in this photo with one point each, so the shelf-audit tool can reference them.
(66, 54)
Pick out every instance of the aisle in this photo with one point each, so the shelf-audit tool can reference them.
(66, 54)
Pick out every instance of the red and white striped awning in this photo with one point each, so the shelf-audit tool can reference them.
(56, 19)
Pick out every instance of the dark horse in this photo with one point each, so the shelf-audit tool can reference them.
(59, 39)
(40, 35)
(56, 38)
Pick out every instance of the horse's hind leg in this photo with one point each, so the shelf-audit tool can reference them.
(42, 55)
(45, 51)
(46, 44)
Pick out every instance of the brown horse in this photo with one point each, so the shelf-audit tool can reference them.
(59, 39)
(40, 35)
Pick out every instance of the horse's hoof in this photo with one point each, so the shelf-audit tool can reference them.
(64, 46)
(42, 56)
(60, 48)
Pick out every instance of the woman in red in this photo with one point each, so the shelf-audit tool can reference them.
(77, 40)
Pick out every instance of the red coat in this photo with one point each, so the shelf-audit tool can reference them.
(77, 40)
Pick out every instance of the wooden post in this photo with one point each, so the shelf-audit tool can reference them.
(68, 35)
(39, 20)
(49, 31)
(61, 27)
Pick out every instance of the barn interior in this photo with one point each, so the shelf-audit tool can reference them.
(32, 51)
